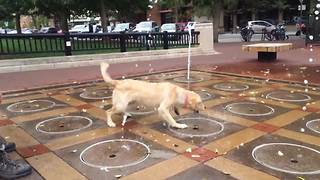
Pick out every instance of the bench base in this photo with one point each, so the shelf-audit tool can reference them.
(267, 56)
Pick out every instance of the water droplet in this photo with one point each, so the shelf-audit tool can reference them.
(311, 38)
(280, 153)
(304, 108)
(305, 81)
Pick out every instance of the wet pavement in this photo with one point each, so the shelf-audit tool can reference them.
(253, 127)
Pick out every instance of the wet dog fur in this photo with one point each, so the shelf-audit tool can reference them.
(163, 96)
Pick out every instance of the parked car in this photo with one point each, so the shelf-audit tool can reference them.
(259, 26)
(191, 25)
(147, 26)
(85, 28)
(47, 30)
(122, 27)
(23, 31)
(2, 31)
(169, 27)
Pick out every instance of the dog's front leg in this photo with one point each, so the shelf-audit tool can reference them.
(165, 114)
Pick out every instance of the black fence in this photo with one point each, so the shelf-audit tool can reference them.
(83, 42)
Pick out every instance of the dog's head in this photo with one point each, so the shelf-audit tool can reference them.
(195, 102)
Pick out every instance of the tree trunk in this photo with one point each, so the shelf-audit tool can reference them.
(64, 21)
(176, 13)
(221, 24)
(18, 25)
(103, 16)
(216, 19)
(234, 21)
(280, 15)
(253, 15)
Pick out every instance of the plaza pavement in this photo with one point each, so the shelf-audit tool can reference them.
(300, 64)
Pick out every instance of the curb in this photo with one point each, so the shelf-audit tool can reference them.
(31, 64)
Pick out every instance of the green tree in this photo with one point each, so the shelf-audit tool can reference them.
(128, 10)
(176, 4)
(61, 10)
(280, 5)
(14, 9)
(211, 9)
(233, 6)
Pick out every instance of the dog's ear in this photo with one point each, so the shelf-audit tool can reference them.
(176, 110)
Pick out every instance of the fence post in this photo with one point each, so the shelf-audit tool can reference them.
(123, 42)
(165, 40)
(67, 44)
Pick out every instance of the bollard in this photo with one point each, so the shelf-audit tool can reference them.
(123, 47)
(67, 44)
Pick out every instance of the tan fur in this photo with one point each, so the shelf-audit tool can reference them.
(162, 96)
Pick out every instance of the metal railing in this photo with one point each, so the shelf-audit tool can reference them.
(13, 44)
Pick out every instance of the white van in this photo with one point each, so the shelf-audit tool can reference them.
(147, 26)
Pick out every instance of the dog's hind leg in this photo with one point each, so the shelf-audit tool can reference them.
(125, 117)
(109, 113)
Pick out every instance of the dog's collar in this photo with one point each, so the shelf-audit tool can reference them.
(186, 99)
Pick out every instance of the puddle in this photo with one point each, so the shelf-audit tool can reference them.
(250, 109)
(288, 158)
(205, 95)
(31, 106)
(116, 153)
(135, 109)
(288, 96)
(231, 87)
(314, 125)
(96, 94)
(193, 79)
(198, 127)
(63, 124)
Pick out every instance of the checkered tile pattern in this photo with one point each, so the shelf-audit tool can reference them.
(223, 155)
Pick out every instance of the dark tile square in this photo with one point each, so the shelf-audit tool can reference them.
(201, 172)
(30, 127)
(50, 102)
(244, 156)
(241, 108)
(72, 156)
(201, 133)
(309, 125)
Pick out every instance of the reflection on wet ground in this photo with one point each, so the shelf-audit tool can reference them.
(251, 127)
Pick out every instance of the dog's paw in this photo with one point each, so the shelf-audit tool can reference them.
(181, 126)
(111, 124)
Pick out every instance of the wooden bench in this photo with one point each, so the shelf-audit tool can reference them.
(267, 51)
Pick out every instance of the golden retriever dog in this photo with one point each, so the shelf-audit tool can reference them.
(162, 96)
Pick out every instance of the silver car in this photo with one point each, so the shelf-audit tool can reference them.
(258, 26)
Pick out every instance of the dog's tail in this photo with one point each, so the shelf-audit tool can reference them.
(106, 77)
